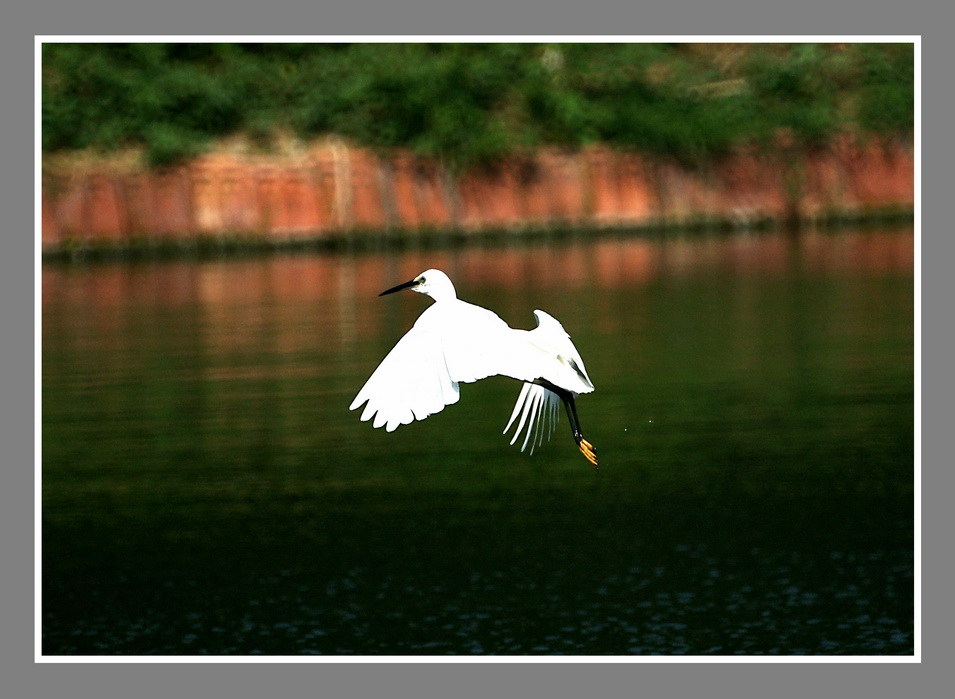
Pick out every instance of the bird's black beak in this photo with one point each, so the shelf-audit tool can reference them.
(406, 285)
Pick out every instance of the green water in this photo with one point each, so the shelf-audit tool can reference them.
(206, 490)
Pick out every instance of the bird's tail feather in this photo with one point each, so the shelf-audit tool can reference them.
(538, 411)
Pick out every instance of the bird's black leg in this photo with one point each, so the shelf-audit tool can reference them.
(586, 448)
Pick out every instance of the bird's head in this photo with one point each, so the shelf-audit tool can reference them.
(433, 283)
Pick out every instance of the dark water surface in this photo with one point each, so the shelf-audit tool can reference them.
(207, 491)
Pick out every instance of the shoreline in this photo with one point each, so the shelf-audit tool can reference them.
(202, 247)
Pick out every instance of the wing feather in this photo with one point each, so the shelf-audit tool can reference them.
(411, 383)
(536, 411)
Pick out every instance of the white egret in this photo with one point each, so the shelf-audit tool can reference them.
(455, 342)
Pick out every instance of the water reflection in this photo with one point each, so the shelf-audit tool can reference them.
(607, 262)
(754, 409)
(332, 299)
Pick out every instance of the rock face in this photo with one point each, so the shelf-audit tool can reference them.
(331, 189)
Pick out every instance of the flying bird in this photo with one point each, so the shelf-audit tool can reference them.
(455, 342)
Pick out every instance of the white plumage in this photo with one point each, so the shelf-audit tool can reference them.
(455, 342)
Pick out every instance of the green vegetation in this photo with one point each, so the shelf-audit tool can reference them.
(470, 104)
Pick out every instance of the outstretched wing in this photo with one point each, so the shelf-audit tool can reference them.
(564, 367)
(411, 383)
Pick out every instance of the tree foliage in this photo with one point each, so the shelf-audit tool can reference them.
(471, 104)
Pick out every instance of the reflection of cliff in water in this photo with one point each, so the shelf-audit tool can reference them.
(606, 262)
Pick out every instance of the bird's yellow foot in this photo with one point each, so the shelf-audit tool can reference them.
(587, 449)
